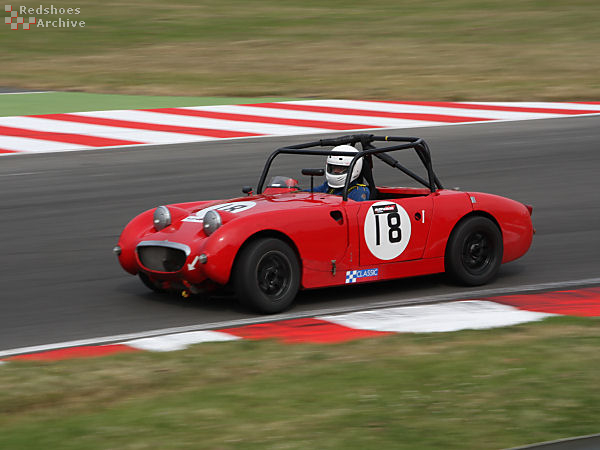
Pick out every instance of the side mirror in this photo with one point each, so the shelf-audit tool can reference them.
(247, 190)
(313, 172)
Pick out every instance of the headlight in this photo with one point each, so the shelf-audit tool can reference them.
(162, 218)
(212, 221)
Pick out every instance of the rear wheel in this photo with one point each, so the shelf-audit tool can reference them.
(267, 276)
(474, 251)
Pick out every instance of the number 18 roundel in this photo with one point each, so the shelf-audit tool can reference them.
(387, 230)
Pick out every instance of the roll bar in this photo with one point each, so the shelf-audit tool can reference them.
(366, 140)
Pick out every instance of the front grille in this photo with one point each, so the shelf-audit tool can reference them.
(161, 258)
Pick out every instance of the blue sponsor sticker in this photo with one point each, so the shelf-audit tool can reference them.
(353, 275)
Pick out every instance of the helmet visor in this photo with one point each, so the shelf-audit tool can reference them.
(334, 169)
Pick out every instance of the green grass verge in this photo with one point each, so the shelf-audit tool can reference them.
(64, 102)
(384, 49)
(485, 389)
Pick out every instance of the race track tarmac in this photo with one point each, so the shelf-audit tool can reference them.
(63, 212)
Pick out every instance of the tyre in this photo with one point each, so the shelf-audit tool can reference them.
(474, 251)
(267, 276)
(153, 285)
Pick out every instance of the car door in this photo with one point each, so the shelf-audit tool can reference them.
(393, 230)
(320, 230)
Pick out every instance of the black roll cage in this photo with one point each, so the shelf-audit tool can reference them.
(368, 149)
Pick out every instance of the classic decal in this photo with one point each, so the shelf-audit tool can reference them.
(387, 230)
(353, 275)
(233, 207)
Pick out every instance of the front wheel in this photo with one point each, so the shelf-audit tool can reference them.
(474, 251)
(151, 284)
(267, 276)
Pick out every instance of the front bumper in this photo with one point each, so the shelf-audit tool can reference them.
(165, 260)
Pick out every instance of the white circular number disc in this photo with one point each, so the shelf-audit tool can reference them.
(387, 230)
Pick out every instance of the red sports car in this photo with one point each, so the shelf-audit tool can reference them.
(270, 244)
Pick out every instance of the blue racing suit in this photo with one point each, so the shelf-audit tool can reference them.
(357, 192)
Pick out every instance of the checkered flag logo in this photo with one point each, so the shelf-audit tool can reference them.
(351, 276)
(14, 20)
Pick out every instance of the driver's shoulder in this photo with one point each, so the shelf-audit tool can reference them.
(359, 192)
(359, 187)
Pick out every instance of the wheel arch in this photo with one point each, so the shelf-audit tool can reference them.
(482, 267)
(276, 234)
(475, 213)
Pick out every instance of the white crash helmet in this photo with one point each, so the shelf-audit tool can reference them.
(337, 167)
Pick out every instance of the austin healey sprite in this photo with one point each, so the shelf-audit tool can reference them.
(270, 244)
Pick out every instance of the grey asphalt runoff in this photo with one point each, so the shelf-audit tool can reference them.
(63, 212)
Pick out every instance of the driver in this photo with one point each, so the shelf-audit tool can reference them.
(336, 170)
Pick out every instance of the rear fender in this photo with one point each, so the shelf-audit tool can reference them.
(513, 218)
(448, 209)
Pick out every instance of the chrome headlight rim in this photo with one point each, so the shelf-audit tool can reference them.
(211, 222)
(162, 218)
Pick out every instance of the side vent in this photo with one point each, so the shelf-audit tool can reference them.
(337, 216)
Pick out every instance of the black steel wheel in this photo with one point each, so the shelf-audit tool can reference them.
(267, 275)
(474, 251)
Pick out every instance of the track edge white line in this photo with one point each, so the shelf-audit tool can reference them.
(465, 295)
